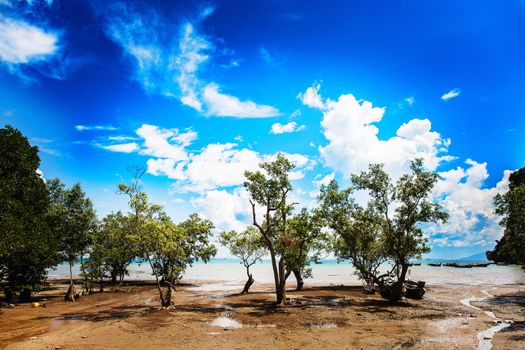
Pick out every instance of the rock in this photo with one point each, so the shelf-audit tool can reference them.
(11, 306)
(35, 305)
(58, 347)
(83, 336)
(32, 338)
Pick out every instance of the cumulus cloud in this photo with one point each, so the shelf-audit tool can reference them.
(472, 219)
(215, 166)
(451, 94)
(21, 42)
(170, 66)
(351, 128)
(312, 98)
(349, 125)
(278, 128)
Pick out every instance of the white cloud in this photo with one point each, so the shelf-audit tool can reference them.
(451, 94)
(227, 210)
(22, 43)
(122, 147)
(278, 128)
(165, 143)
(353, 142)
(472, 219)
(81, 127)
(222, 105)
(312, 98)
(169, 66)
(410, 100)
(215, 166)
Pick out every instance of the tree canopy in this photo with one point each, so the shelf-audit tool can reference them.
(511, 206)
(27, 244)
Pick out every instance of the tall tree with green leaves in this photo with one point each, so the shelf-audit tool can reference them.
(511, 206)
(114, 244)
(390, 225)
(247, 246)
(305, 242)
(73, 219)
(27, 245)
(168, 248)
(269, 188)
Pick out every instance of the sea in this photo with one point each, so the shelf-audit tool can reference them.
(230, 274)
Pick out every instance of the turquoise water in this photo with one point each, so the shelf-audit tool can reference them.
(230, 274)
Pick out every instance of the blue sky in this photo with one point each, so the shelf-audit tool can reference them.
(197, 92)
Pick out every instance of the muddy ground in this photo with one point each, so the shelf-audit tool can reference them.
(330, 317)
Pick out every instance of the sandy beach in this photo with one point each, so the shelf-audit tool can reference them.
(342, 317)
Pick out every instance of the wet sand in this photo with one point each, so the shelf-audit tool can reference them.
(330, 317)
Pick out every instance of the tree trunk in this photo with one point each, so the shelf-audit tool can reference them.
(397, 290)
(281, 288)
(248, 284)
(166, 302)
(70, 294)
(299, 278)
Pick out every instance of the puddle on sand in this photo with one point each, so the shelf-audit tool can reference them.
(323, 325)
(225, 322)
(485, 337)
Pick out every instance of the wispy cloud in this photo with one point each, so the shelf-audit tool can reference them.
(269, 58)
(451, 94)
(222, 105)
(410, 100)
(171, 67)
(278, 128)
(129, 147)
(81, 127)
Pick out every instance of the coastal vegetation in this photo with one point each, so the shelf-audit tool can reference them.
(511, 206)
(46, 223)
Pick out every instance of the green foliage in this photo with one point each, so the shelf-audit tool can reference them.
(304, 242)
(247, 245)
(389, 228)
(27, 245)
(169, 248)
(72, 218)
(269, 189)
(511, 206)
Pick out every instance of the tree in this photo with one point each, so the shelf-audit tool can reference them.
(168, 248)
(27, 245)
(389, 228)
(305, 242)
(247, 246)
(359, 235)
(73, 219)
(511, 206)
(269, 189)
(114, 245)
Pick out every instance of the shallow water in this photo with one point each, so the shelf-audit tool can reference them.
(229, 274)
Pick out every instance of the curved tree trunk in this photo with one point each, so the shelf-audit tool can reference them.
(248, 284)
(299, 278)
(397, 290)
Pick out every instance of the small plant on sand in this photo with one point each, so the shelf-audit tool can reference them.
(247, 246)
